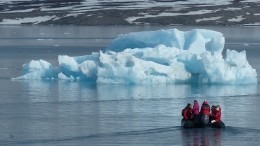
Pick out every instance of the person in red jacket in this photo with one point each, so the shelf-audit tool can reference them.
(187, 112)
(216, 114)
(205, 113)
(216, 118)
(205, 108)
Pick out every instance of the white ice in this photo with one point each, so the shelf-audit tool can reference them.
(237, 19)
(252, 24)
(163, 14)
(34, 20)
(153, 57)
(19, 11)
(208, 19)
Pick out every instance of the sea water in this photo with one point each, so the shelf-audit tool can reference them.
(36, 112)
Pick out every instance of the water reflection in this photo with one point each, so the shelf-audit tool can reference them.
(48, 91)
(198, 137)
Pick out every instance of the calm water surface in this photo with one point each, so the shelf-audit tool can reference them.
(36, 112)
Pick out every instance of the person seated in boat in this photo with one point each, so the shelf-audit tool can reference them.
(196, 112)
(205, 113)
(188, 117)
(216, 118)
(212, 110)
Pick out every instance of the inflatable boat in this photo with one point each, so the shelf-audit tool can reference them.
(187, 124)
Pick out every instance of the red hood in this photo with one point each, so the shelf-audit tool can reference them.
(205, 102)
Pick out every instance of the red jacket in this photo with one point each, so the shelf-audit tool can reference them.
(187, 113)
(205, 109)
(216, 115)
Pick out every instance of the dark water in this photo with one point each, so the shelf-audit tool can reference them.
(77, 113)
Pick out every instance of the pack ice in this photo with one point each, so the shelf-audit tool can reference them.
(153, 57)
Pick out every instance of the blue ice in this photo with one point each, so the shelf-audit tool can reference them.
(153, 57)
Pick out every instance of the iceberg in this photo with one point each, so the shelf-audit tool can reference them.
(153, 57)
(38, 69)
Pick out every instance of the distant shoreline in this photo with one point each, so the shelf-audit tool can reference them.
(233, 14)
